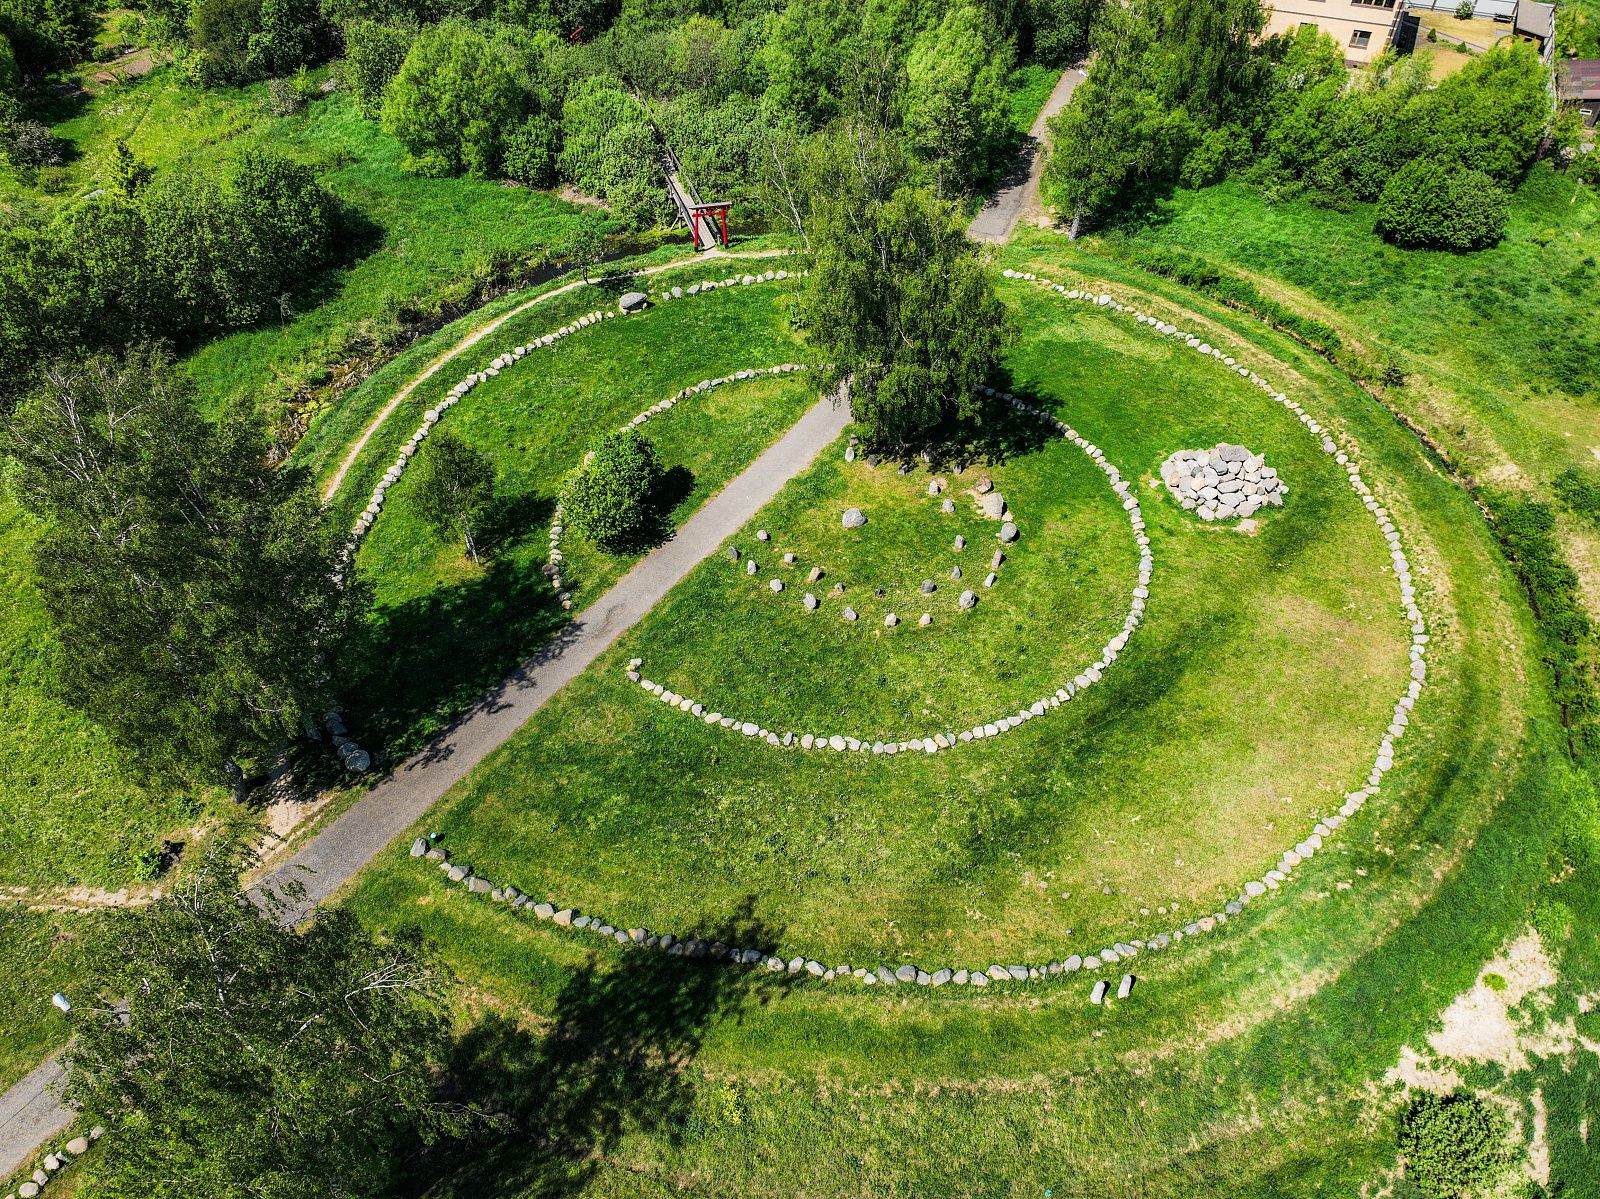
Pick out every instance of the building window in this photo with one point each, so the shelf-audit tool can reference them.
(1373, 3)
(1361, 39)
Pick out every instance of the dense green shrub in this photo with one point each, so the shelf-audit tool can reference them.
(192, 252)
(1579, 490)
(1430, 204)
(452, 102)
(1525, 530)
(373, 54)
(607, 498)
(10, 73)
(718, 144)
(532, 150)
(609, 149)
(1453, 1145)
(236, 41)
(1061, 28)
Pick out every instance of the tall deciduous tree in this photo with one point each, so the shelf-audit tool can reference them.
(1113, 132)
(455, 489)
(956, 118)
(453, 101)
(898, 301)
(230, 1056)
(191, 583)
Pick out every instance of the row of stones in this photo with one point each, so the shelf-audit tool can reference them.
(553, 563)
(949, 739)
(1121, 950)
(55, 1161)
(1400, 717)
(718, 951)
(460, 390)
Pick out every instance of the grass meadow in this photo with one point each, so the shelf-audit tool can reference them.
(1245, 1063)
(1075, 822)
(443, 630)
(1497, 345)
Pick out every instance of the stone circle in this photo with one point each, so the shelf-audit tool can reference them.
(1253, 890)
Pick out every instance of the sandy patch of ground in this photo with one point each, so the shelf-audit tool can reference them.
(1478, 1025)
(1415, 1074)
(287, 807)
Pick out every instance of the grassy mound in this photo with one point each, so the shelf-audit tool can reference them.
(1152, 797)
(1297, 1011)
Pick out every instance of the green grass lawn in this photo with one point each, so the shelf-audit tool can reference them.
(1248, 1063)
(40, 954)
(443, 630)
(1498, 344)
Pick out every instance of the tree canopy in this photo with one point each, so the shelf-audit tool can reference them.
(1188, 94)
(190, 583)
(898, 302)
(230, 1056)
(455, 488)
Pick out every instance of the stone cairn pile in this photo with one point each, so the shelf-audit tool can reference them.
(1222, 483)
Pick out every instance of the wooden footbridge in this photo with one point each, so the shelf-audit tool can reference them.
(708, 223)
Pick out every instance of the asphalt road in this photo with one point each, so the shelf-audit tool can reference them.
(1019, 188)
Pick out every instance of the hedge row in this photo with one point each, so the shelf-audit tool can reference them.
(1525, 530)
(1196, 273)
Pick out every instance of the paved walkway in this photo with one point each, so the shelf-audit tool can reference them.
(30, 1115)
(331, 487)
(29, 1112)
(1019, 189)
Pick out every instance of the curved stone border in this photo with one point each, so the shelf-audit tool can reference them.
(556, 557)
(949, 739)
(459, 391)
(1255, 888)
(56, 1160)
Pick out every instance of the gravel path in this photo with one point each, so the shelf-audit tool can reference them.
(1019, 188)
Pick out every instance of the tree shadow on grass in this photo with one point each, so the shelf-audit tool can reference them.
(614, 1061)
(999, 433)
(414, 668)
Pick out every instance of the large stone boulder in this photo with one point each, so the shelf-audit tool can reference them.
(633, 301)
(853, 518)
